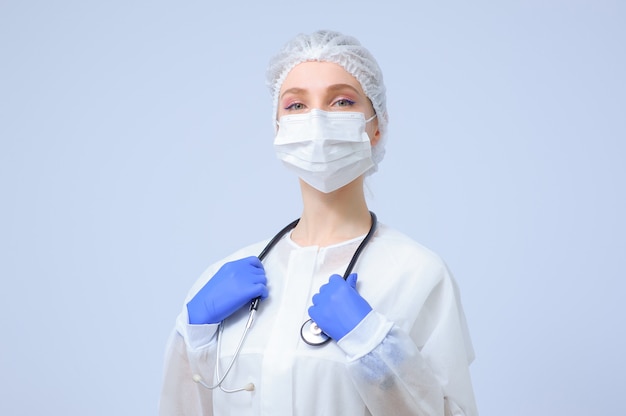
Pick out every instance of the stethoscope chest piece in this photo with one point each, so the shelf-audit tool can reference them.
(313, 334)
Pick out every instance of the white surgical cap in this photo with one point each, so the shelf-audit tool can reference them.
(347, 51)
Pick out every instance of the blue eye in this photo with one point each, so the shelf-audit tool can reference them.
(295, 106)
(344, 102)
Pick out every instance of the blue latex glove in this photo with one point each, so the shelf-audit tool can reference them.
(338, 307)
(234, 285)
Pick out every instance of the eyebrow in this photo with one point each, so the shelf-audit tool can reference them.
(293, 91)
(337, 87)
(334, 87)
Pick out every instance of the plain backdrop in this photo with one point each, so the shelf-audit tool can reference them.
(136, 149)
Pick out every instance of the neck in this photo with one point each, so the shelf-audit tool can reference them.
(334, 217)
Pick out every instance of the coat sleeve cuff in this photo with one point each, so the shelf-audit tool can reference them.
(196, 336)
(366, 336)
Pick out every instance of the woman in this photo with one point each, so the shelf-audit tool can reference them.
(399, 343)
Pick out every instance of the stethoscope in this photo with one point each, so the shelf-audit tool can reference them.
(309, 332)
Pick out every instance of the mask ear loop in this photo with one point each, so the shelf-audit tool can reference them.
(371, 118)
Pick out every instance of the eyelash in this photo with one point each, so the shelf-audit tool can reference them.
(291, 106)
(347, 103)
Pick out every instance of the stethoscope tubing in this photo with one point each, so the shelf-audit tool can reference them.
(292, 225)
(315, 337)
(255, 302)
(310, 333)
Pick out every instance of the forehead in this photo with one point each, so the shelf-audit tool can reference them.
(313, 75)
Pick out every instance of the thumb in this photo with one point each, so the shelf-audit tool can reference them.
(352, 280)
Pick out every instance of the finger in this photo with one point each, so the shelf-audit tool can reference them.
(254, 291)
(335, 278)
(254, 262)
(316, 313)
(352, 280)
(333, 282)
(264, 292)
(315, 299)
(329, 286)
(255, 278)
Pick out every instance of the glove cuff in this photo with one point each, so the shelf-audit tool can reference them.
(196, 336)
(366, 336)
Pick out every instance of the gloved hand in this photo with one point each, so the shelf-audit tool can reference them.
(234, 285)
(338, 307)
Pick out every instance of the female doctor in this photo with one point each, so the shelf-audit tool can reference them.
(398, 343)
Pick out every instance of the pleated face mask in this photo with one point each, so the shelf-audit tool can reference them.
(327, 150)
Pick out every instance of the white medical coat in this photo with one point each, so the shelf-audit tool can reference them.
(409, 356)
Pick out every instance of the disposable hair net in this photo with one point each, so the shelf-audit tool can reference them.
(347, 51)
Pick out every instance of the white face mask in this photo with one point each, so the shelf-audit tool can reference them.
(327, 150)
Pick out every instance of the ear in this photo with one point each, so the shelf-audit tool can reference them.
(376, 137)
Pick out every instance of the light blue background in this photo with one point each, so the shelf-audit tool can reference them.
(136, 150)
